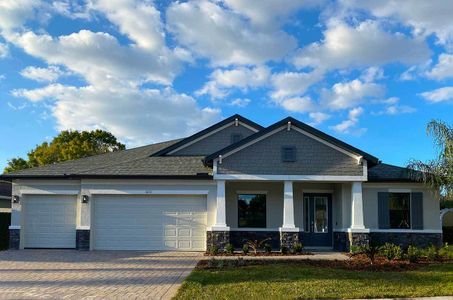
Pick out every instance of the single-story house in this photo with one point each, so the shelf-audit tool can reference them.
(5, 196)
(5, 213)
(233, 181)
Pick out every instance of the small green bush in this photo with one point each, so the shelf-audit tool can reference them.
(284, 249)
(446, 252)
(370, 250)
(245, 249)
(268, 248)
(229, 249)
(413, 254)
(298, 248)
(354, 249)
(391, 251)
(214, 250)
(432, 253)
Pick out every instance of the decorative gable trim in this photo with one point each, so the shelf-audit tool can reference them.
(235, 120)
(293, 124)
(239, 123)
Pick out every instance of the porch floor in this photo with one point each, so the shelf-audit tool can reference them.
(315, 255)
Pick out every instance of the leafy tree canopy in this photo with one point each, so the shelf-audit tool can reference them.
(438, 173)
(67, 145)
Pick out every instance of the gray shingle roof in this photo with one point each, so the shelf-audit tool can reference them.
(132, 162)
(385, 172)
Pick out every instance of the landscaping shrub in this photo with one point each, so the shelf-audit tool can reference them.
(354, 249)
(245, 249)
(284, 249)
(391, 251)
(446, 252)
(431, 253)
(213, 250)
(229, 249)
(268, 248)
(256, 245)
(413, 254)
(298, 248)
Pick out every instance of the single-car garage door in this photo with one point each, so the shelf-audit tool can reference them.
(49, 221)
(150, 222)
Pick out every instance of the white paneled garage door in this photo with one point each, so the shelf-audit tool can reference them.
(49, 221)
(149, 222)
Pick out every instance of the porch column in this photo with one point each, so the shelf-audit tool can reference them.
(288, 208)
(358, 234)
(220, 221)
(357, 206)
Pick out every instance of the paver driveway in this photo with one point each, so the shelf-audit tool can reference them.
(56, 274)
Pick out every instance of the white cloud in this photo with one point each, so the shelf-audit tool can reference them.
(364, 45)
(318, 117)
(100, 58)
(240, 102)
(49, 74)
(347, 125)
(443, 69)
(372, 74)
(222, 81)
(269, 13)
(223, 36)
(444, 94)
(349, 94)
(151, 115)
(138, 20)
(423, 16)
(14, 13)
(297, 104)
(288, 84)
(4, 50)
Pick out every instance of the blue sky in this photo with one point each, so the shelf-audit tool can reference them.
(369, 73)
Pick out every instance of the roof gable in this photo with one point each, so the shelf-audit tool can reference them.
(292, 123)
(238, 120)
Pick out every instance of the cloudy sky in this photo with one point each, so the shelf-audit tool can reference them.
(370, 73)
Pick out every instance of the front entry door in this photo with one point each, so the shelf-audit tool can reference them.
(318, 220)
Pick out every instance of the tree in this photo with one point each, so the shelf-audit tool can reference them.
(68, 145)
(438, 173)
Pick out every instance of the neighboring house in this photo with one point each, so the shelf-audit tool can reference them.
(5, 213)
(230, 182)
(5, 197)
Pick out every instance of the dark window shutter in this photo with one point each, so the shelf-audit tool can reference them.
(417, 210)
(383, 210)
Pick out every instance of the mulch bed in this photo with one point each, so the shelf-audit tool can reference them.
(356, 263)
(251, 254)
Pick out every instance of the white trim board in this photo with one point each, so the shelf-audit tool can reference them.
(211, 133)
(48, 192)
(5, 210)
(259, 177)
(392, 230)
(285, 127)
(146, 192)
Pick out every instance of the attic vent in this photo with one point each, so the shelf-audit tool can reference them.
(235, 137)
(288, 153)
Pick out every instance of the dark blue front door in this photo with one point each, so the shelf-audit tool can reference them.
(317, 220)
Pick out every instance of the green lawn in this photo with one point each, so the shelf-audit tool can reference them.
(289, 281)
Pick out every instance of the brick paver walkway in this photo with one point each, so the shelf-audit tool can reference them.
(70, 274)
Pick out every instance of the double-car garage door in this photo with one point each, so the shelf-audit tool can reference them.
(119, 222)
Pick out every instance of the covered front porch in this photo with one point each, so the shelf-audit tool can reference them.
(318, 214)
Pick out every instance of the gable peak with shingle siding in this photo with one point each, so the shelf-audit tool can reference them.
(372, 160)
(220, 133)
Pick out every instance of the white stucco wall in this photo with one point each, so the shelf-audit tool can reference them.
(431, 210)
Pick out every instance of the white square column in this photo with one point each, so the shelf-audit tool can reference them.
(288, 208)
(220, 220)
(357, 219)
